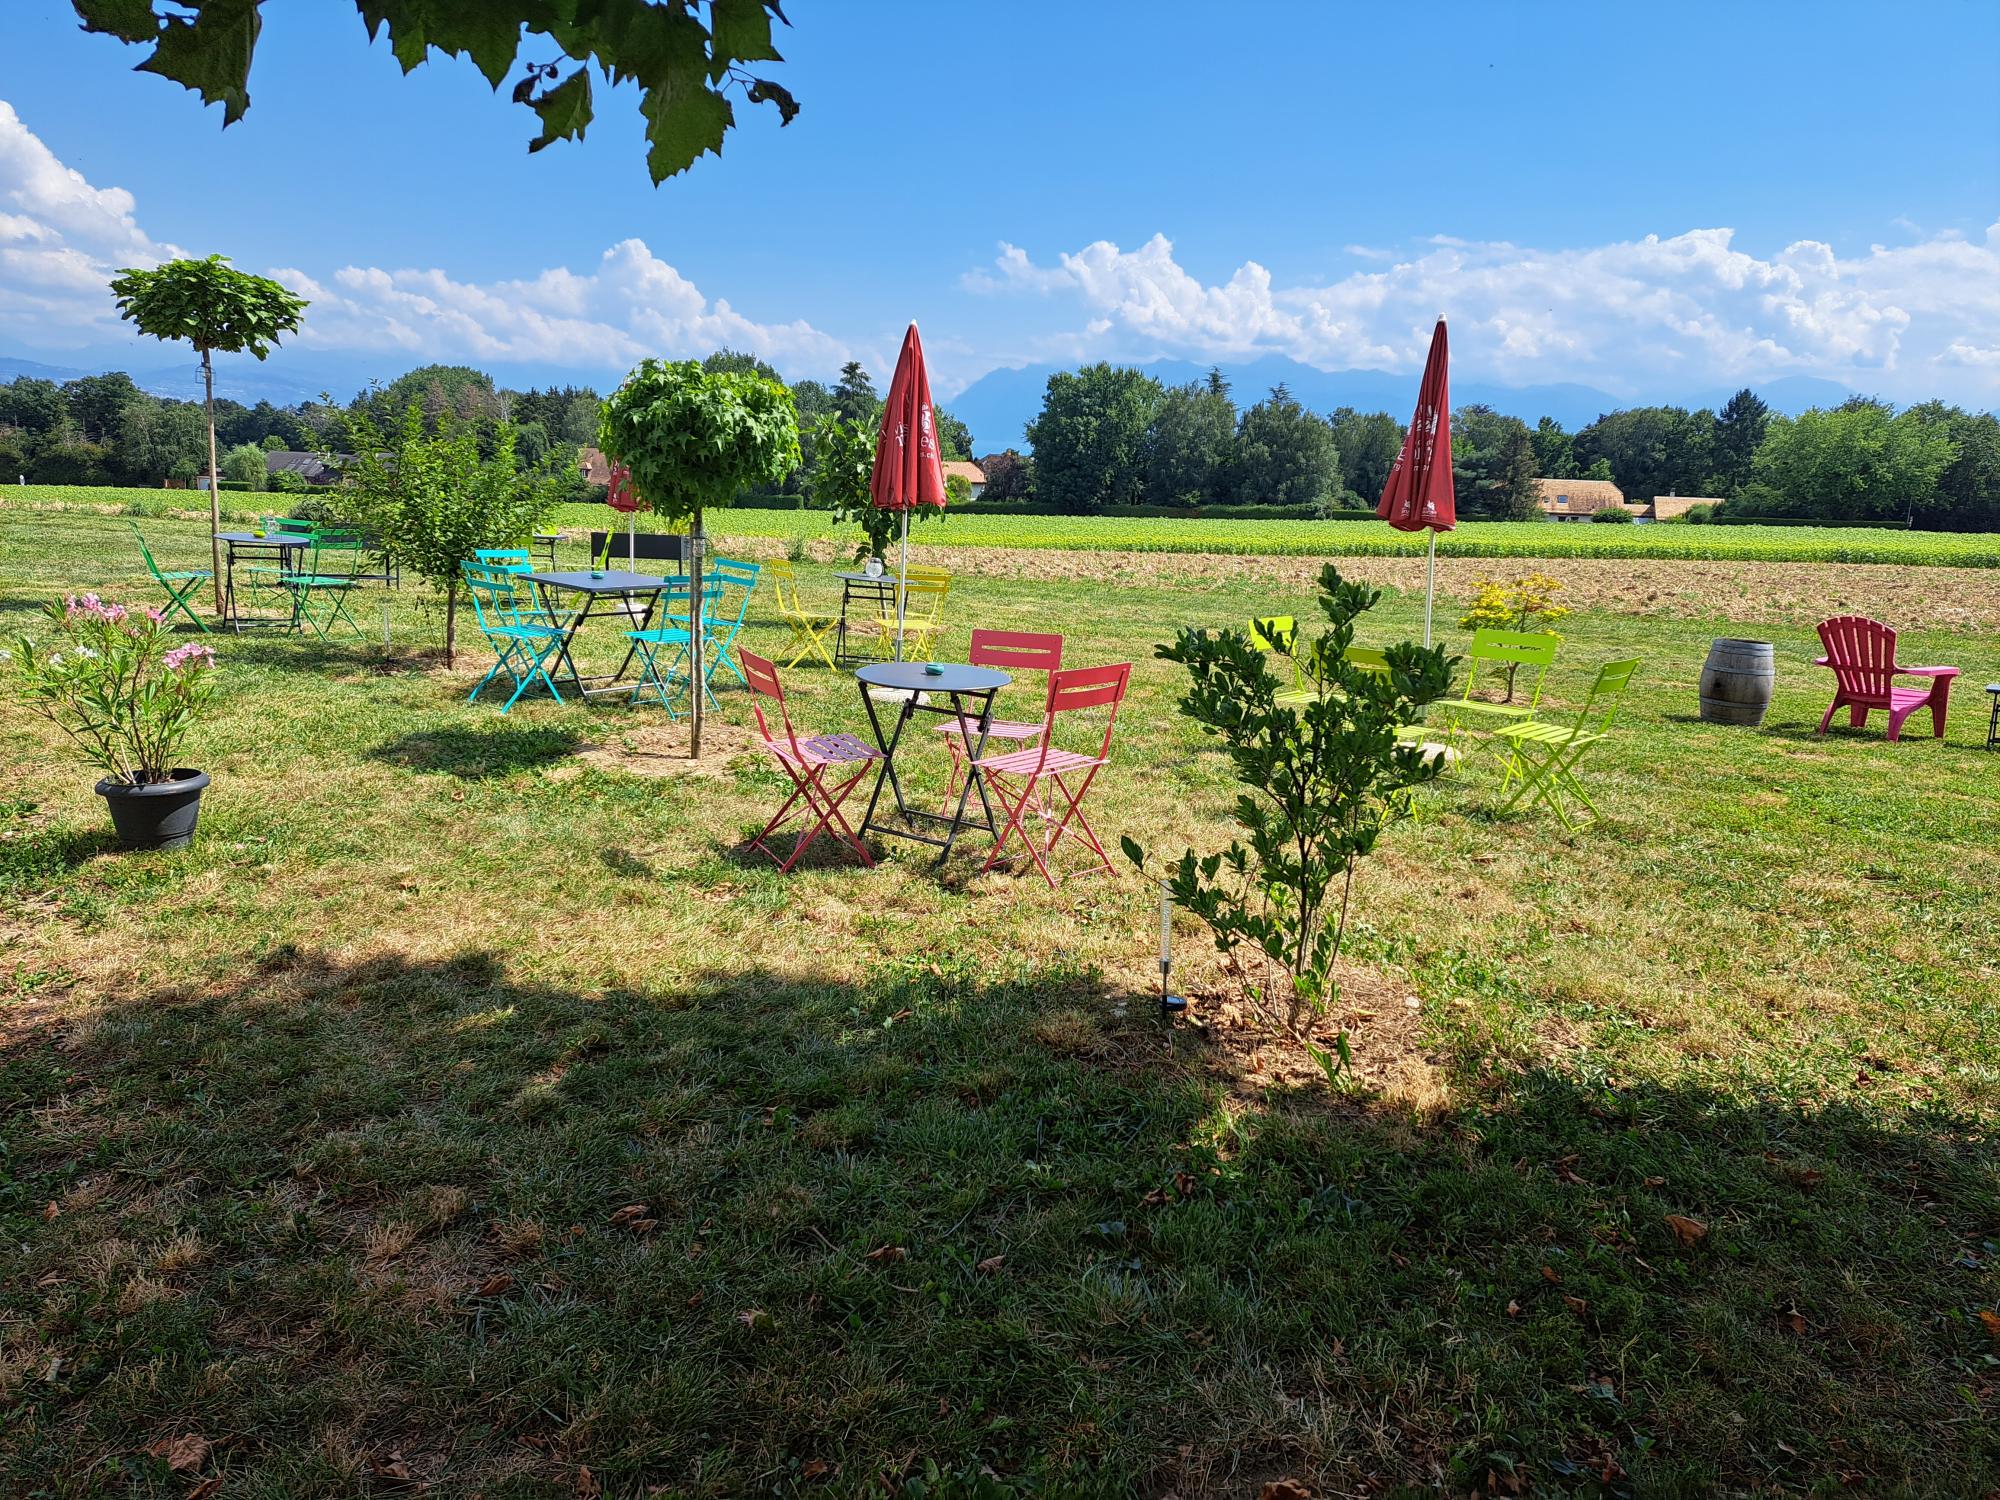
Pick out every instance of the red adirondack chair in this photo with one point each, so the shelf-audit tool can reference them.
(1862, 656)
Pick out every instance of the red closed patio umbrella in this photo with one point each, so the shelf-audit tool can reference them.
(619, 495)
(1419, 495)
(908, 471)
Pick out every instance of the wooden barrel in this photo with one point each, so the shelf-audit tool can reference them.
(1736, 682)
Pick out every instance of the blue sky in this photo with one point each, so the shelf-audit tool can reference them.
(1643, 198)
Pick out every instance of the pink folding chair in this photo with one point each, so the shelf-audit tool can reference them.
(1011, 651)
(807, 762)
(1862, 655)
(1017, 777)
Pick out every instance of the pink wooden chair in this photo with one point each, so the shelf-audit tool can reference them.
(1017, 776)
(1006, 651)
(806, 761)
(1862, 655)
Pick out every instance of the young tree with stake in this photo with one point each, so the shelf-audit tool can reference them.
(211, 305)
(692, 439)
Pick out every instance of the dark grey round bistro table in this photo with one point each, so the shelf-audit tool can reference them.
(969, 691)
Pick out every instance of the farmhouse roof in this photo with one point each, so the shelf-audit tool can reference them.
(1578, 495)
(958, 468)
(312, 467)
(596, 467)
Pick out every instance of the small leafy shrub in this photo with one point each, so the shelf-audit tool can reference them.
(1320, 781)
(286, 482)
(1699, 515)
(1528, 604)
(115, 684)
(315, 508)
(1612, 515)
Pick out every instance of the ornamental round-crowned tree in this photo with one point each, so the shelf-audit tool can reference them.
(213, 306)
(692, 439)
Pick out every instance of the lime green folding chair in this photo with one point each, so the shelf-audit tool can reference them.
(1545, 755)
(180, 586)
(319, 590)
(1276, 634)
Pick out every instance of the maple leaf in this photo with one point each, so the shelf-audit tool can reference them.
(587, 1487)
(888, 1253)
(991, 1264)
(813, 1468)
(1990, 1320)
(1551, 1275)
(627, 1214)
(1513, 1308)
(1284, 1489)
(181, 1453)
(1577, 1305)
(496, 1285)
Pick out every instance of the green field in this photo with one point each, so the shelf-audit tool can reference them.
(321, 1140)
(968, 528)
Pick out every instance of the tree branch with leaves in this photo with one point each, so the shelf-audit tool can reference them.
(687, 56)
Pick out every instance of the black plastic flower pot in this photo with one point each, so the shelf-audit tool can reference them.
(157, 814)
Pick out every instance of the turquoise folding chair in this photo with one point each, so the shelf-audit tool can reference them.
(668, 681)
(319, 590)
(721, 628)
(180, 586)
(521, 645)
(519, 562)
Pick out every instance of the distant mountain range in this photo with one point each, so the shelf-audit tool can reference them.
(1001, 403)
(996, 407)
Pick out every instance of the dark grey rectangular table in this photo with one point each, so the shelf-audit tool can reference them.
(284, 546)
(615, 587)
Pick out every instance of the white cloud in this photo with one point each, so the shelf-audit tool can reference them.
(1615, 315)
(61, 239)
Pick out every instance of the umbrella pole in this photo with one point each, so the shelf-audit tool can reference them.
(697, 684)
(1430, 586)
(903, 584)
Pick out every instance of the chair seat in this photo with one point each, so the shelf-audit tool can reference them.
(1296, 698)
(1022, 762)
(661, 635)
(999, 729)
(190, 573)
(825, 750)
(1532, 733)
(1479, 706)
(526, 632)
(314, 581)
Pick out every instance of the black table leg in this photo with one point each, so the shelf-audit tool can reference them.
(888, 747)
(972, 773)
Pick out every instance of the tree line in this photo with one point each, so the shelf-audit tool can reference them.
(105, 430)
(1108, 436)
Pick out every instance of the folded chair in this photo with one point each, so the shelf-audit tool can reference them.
(522, 645)
(1017, 777)
(1862, 655)
(1006, 651)
(807, 761)
(319, 590)
(180, 586)
(668, 681)
(811, 628)
(1545, 755)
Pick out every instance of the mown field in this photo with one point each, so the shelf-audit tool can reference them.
(465, 1110)
(1475, 539)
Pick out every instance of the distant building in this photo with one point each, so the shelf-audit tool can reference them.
(313, 468)
(595, 466)
(1577, 499)
(971, 473)
(1672, 507)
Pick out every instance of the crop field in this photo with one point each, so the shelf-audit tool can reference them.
(966, 527)
(467, 1112)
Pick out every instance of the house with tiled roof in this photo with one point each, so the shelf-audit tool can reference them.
(1577, 499)
(971, 473)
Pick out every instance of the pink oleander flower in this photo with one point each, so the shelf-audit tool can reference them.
(155, 614)
(94, 607)
(194, 654)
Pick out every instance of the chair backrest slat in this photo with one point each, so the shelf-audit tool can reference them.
(509, 559)
(762, 675)
(1503, 650)
(1607, 695)
(1076, 689)
(1862, 653)
(1016, 650)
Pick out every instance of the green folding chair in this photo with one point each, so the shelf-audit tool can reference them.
(521, 645)
(180, 586)
(319, 590)
(1276, 634)
(1545, 755)
(667, 681)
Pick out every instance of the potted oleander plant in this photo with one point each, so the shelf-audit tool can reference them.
(112, 680)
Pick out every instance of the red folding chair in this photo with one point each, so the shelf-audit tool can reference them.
(1017, 777)
(806, 762)
(1007, 651)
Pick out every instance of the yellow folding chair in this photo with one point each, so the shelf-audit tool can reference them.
(811, 628)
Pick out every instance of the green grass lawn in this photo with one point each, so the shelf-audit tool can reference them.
(463, 1110)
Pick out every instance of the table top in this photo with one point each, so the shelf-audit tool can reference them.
(613, 581)
(885, 579)
(251, 539)
(953, 679)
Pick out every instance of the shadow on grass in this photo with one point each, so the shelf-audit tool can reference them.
(479, 754)
(714, 1236)
(34, 858)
